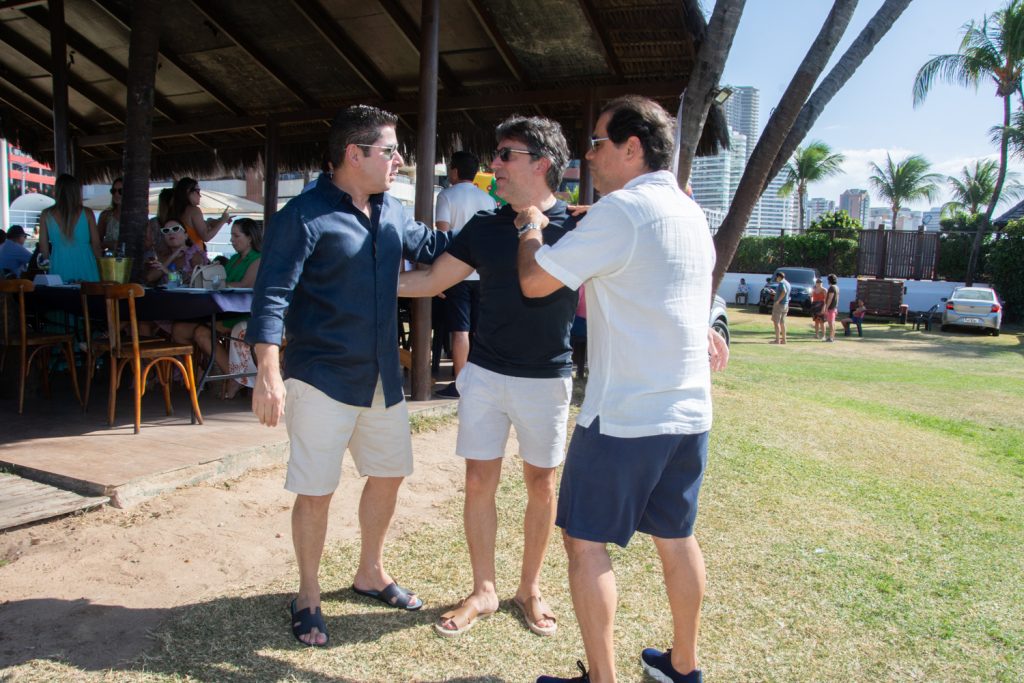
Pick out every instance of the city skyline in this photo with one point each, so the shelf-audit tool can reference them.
(873, 114)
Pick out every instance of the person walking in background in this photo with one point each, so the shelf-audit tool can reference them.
(329, 269)
(818, 308)
(185, 209)
(831, 307)
(109, 223)
(456, 204)
(780, 307)
(637, 457)
(67, 234)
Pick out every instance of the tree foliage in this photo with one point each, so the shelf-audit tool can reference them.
(1006, 253)
(811, 250)
(838, 224)
(809, 164)
(904, 182)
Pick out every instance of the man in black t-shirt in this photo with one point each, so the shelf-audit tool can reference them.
(519, 369)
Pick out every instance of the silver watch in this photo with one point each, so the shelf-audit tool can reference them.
(526, 228)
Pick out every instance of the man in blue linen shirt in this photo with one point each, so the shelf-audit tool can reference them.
(329, 274)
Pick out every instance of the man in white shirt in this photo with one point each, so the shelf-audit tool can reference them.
(456, 204)
(636, 460)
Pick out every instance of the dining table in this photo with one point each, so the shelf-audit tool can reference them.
(158, 303)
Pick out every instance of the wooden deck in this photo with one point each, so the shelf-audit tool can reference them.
(23, 501)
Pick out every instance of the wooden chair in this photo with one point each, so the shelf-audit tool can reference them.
(32, 344)
(129, 351)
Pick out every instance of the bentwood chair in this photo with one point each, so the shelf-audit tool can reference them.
(31, 344)
(127, 351)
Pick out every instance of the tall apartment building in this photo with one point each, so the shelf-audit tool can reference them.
(816, 208)
(881, 215)
(715, 179)
(856, 203)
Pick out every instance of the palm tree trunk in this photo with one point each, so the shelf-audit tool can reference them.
(142, 60)
(801, 191)
(979, 235)
(751, 183)
(851, 60)
(711, 56)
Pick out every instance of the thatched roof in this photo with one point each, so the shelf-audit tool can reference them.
(228, 67)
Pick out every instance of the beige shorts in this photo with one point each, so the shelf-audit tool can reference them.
(490, 403)
(321, 428)
(779, 313)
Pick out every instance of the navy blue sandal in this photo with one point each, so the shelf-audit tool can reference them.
(304, 621)
(393, 596)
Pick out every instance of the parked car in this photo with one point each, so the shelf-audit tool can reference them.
(720, 318)
(801, 281)
(977, 307)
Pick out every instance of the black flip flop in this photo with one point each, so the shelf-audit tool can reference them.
(393, 596)
(304, 621)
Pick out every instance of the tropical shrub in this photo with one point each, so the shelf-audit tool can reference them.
(1006, 253)
(838, 224)
(809, 250)
(954, 254)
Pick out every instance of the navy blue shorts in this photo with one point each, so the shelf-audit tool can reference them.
(461, 302)
(613, 487)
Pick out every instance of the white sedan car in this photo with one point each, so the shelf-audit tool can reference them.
(973, 307)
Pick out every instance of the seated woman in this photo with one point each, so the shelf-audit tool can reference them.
(174, 253)
(742, 292)
(856, 318)
(185, 209)
(241, 269)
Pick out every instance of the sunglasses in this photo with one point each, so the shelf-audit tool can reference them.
(505, 153)
(116, 190)
(387, 150)
(595, 142)
(194, 189)
(171, 228)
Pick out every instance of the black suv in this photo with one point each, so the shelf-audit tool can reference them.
(801, 281)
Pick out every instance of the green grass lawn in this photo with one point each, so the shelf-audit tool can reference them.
(862, 520)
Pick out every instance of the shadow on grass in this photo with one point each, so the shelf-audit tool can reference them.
(231, 639)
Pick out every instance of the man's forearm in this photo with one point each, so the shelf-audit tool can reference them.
(268, 358)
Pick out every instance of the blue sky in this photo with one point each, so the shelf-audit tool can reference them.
(874, 112)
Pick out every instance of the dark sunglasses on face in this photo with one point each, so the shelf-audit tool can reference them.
(194, 189)
(505, 153)
(171, 228)
(116, 190)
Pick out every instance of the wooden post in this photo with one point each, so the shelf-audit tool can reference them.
(426, 151)
(586, 180)
(142, 58)
(919, 252)
(270, 171)
(59, 55)
(883, 251)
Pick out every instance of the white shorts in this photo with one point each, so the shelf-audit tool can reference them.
(321, 428)
(489, 403)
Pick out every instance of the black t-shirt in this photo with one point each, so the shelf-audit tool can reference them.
(515, 335)
(833, 302)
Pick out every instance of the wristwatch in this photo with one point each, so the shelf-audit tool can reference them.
(527, 228)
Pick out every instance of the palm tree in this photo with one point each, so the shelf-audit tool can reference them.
(990, 50)
(905, 182)
(973, 189)
(810, 164)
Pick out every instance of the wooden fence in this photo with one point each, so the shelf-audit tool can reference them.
(903, 254)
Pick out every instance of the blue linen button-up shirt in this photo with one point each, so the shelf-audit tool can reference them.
(329, 277)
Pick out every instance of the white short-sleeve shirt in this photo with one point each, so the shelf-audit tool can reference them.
(646, 256)
(457, 204)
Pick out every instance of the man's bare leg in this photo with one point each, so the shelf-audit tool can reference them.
(376, 507)
(480, 518)
(594, 598)
(683, 565)
(460, 351)
(537, 523)
(309, 529)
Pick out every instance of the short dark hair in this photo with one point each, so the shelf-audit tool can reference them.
(359, 124)
(543, 137)
(832, 279)
(780, 274)
(465, 164)
(644, 118)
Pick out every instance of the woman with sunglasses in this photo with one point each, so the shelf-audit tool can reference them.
(109, 223)
(174, 252)
(185, 209)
